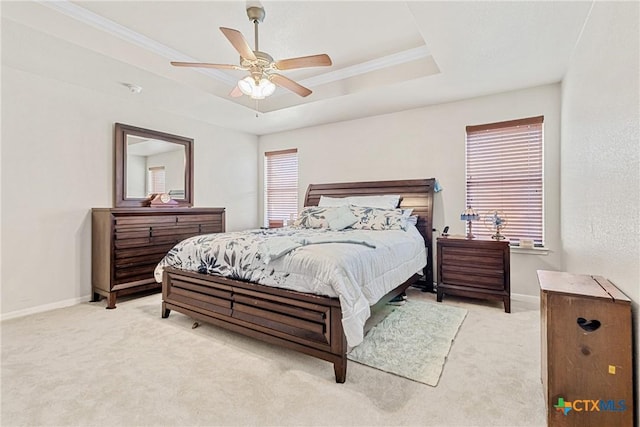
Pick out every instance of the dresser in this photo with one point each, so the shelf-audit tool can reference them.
(477, 268)
(586, 343)
(128, 243)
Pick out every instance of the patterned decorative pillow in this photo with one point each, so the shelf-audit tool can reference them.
(334, 218)
(380, 219)
(312, 217)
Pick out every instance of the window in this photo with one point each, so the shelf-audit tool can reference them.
(156, 180)
(281, 186)
(504, 173)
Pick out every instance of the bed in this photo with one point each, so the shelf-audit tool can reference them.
(306, 322)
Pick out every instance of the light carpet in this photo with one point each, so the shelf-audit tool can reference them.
(87, 366)
(412, 342)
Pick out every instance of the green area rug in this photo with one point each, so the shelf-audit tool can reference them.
(412, 342)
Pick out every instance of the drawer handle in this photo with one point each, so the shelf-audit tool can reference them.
(588, 325)
(150, 231)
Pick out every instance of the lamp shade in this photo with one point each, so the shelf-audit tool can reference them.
(469, 215)
(261, 90)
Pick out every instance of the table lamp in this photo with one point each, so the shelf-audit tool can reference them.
(469, 215)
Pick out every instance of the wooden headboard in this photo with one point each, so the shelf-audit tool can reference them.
(414, 193)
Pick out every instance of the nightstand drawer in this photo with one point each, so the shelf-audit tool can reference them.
(473, 277)
(489, 258)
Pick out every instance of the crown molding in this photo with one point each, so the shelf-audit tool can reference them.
(368, 66)
(101, 23)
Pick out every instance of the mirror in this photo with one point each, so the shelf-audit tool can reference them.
(148, 162)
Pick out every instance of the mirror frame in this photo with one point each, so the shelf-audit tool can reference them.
(120, 175)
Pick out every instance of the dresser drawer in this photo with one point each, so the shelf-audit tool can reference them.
(152, 257)
(150, 220)
(155, 230)
(145, 242)
(131, 274)
(182, 219)
(166, 230)
(137, 251)
(144, 220)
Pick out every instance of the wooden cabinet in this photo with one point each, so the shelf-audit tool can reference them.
(477, 268)
(587, 370)
(128, 243)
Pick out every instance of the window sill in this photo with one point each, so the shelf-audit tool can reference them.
(529, 251)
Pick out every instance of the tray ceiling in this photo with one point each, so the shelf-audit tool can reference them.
(387, 56)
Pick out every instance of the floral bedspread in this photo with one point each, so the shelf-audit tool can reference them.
(246, 255)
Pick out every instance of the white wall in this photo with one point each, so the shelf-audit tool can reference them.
(136, 176)
(601, 153)
(57, 163)
(430, 142)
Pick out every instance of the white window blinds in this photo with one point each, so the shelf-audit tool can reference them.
(504, 173)
(156, 180)
(281, 185)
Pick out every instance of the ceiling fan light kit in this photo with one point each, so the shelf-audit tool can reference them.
(256, 90)
(262, 79)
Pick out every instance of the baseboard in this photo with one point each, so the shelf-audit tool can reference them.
(45, 307)
(529, 299)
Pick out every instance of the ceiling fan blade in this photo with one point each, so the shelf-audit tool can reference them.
(238, 41)
(321, 60)
(235, 92)
(287, 83)
(205, 65)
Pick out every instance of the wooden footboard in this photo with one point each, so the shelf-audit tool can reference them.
(307, 323)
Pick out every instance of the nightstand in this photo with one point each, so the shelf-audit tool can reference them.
(476, 268)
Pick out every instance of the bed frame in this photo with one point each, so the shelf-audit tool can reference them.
(307, 323)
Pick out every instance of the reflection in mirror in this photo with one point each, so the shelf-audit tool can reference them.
(148, 162)
(153, 167)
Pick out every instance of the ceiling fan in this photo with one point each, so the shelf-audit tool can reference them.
(263, 77)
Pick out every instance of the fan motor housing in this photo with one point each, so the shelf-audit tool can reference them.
(264, 60)
(256, 14)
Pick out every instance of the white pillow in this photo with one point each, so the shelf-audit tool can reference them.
(333, 201)
(340, 218)
(381, 202)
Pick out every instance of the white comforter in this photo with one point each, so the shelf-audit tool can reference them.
(356, 266)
